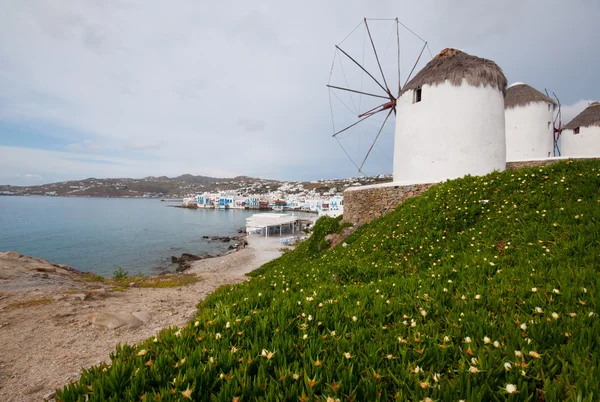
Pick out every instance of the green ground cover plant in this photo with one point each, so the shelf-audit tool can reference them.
(484, 288)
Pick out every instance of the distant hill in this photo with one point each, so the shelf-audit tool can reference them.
(177, 187)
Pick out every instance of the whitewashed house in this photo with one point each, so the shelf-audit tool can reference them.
(529, 118)
(581, 136)
(450, 120)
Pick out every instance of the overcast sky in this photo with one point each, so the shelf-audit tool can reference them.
(125, 88)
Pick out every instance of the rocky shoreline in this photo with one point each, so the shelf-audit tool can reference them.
(54, 322)
(238, 243)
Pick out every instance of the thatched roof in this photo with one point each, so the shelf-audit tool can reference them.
(519, 94)
(589, 117)
(454, 65)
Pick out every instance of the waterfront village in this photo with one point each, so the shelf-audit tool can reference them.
(287, 197)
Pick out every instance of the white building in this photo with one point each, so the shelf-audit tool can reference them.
(450, 120)
(581, 137)
(529, 130)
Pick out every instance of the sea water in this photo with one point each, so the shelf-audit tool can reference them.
(100, 234)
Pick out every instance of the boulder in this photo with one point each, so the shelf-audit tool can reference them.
(183, 266)
(186, 257)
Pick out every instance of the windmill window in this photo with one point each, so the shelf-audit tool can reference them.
(576, 130)
(417, 95)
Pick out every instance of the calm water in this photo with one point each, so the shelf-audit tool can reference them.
(100, 234)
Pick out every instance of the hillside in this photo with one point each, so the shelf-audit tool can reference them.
(180, 186)
(484, 288)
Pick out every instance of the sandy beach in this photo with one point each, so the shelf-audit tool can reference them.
(51, 326)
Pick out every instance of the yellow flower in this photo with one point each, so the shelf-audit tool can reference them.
(142, 352)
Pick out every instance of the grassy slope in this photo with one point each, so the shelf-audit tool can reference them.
(404, 309)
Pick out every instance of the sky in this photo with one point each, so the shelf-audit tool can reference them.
(128, 88)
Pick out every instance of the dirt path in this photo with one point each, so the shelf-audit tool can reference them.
(51, 325)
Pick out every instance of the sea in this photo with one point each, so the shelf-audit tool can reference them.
(101, 234)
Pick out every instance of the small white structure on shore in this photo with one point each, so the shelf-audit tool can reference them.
(581, 136)
(529, 130)
(271, 223)
(450, 120)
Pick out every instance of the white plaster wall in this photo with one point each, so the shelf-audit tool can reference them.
(452, 132)
(528, 134)
(586, 143)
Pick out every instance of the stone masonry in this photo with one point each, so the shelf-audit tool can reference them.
(366, 203)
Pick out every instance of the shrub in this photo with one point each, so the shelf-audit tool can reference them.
(120, 273)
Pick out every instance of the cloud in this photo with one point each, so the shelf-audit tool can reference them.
(85, 146)
(143, 146)
(250, 125)
(173, 90)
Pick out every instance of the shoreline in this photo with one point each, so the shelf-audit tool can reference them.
(68, 324)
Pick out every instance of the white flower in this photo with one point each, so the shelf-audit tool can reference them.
(474, 361)
(260, 294)
(295, 376)
(305, 336)
(197, 323)
(539, 310)
(354, 318)
(424, 313)
(347, 355)
(591, 314)
(227, 325)
(507, 366)
(496, 344)
(473, 370)
(534, 290)
(418, 370)
(486, 340)
(523, 326)
(463, 297)
(511, 388)
(467, 340)
(310, 317)
(446, 339)
(477, 297)
(555, 315)
(436, 377)
(518, 353)
(217, 335)
(445, 290)
(556, 291)
(534, 354)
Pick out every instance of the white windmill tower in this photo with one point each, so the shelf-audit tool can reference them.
(529, 123)
(581, 136)
(449, 117)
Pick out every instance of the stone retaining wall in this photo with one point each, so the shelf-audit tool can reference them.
(366, 203)
(363, 204)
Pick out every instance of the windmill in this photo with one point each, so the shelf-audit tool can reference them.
(370, 95)
(557, 129)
